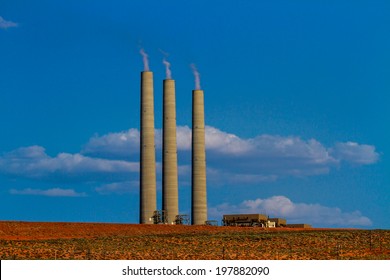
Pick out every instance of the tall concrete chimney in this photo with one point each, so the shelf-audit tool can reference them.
(170, 201)
(199, 194)
(148, 201)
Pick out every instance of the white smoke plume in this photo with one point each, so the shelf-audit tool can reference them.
(145, 59)
(196, 75)
(168, 71)
(4, 24)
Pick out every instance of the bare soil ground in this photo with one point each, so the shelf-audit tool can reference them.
(40, 240)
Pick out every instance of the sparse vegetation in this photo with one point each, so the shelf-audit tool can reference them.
(80, 241)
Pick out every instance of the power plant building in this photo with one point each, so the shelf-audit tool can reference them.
(170, 197)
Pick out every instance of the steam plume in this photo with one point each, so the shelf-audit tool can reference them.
(4, 24)
(145, 59)
(196, 75)
(167, 70)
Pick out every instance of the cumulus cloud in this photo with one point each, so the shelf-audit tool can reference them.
(114, 157)
(226, 143)
(50, 192)
(183, 138)
(354, 153)
(118, 187)
(268, 157)
(127, 143)
(218, 177)
(283, 207)
(5, 24)
(230, 158)
(33, 162)
(291, 154)
(122, 144)
(114, 145)
(216, 140)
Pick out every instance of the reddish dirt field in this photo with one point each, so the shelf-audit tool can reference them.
(34, 240)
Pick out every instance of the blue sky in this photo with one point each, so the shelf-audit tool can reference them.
(296, 96)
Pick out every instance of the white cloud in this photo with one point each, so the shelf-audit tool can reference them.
(220, 177)
(183, 138)
(50, 192)
(118, 187)
(283, 149)
(354, 153)
(230, 159)
(33, 162)
(267, 154)
(4, 24)
(226, 143)
(283, 207)
(122, 144)
(114, 145)
(268, 157)
(127, 143)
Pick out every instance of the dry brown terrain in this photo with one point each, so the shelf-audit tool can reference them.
(28, 240)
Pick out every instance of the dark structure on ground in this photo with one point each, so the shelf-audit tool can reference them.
(245, 220)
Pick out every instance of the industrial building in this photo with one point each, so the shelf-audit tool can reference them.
(279, 222)
(245, 220)
(261, 220)
(298, 226)
(149, 214)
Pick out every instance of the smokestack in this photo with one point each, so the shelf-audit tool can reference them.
(148, 201)
(170, 181)
(199, 194)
